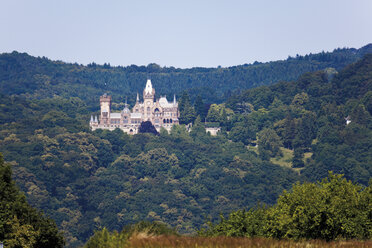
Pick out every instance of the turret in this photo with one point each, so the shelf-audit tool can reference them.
(126, 109)
(105, 102)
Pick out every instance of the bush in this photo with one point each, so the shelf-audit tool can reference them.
(331, 209)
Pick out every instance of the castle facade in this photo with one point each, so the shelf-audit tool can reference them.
(160, 112)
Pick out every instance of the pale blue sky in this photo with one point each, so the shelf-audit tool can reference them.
(181, 33)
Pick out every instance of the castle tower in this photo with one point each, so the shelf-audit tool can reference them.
(148, 100)
(105, 103)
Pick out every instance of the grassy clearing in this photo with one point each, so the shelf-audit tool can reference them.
(285, 160)
(307, 155)
(253, 148)
(229, 242)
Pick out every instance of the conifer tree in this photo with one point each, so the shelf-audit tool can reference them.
(187, 112)
(199, 107)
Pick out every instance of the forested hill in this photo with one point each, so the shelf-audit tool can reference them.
(309, 116)
(41, 77)
(88, 180)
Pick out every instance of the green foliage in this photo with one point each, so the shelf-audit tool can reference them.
(244, 130)
(20, 224)
(21, 73)
(86, 180)
(314, 109)
(105, 239)
(200, 107)
(198, 129)
(238, 224)
(147, 127)
(331, 209)
(328, 210)
(187, 112)
(298, 156)
(213, 114)
(269, 144)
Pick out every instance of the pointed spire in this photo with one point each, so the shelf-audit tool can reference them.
(126, 109)
(137, 97)
(174, 99)
(148, 89)
(91, 118)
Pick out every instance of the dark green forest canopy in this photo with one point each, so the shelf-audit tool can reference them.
(41, 77)
(333, 209)
(309, 116)
(88, 180)
(20, 224)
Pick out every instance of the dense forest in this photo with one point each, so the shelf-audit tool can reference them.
(331, 209)
(21, 74)
(271, 137)
(20, 224)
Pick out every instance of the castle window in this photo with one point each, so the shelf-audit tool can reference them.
(148, 109)
(164, 121)
(170, 120)
(156, 120)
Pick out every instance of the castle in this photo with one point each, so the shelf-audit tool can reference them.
(161, 113)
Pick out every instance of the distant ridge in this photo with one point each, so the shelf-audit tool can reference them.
(38, 77)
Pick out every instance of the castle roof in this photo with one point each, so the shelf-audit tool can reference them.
(135, 115)
(126, 110)
(165, 104)
(163, 100)
(115, 115)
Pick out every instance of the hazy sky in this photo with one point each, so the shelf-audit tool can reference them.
(181, 33)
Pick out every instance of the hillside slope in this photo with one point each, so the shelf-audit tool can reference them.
(310, 117)
(41, 77)
(86, 180)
